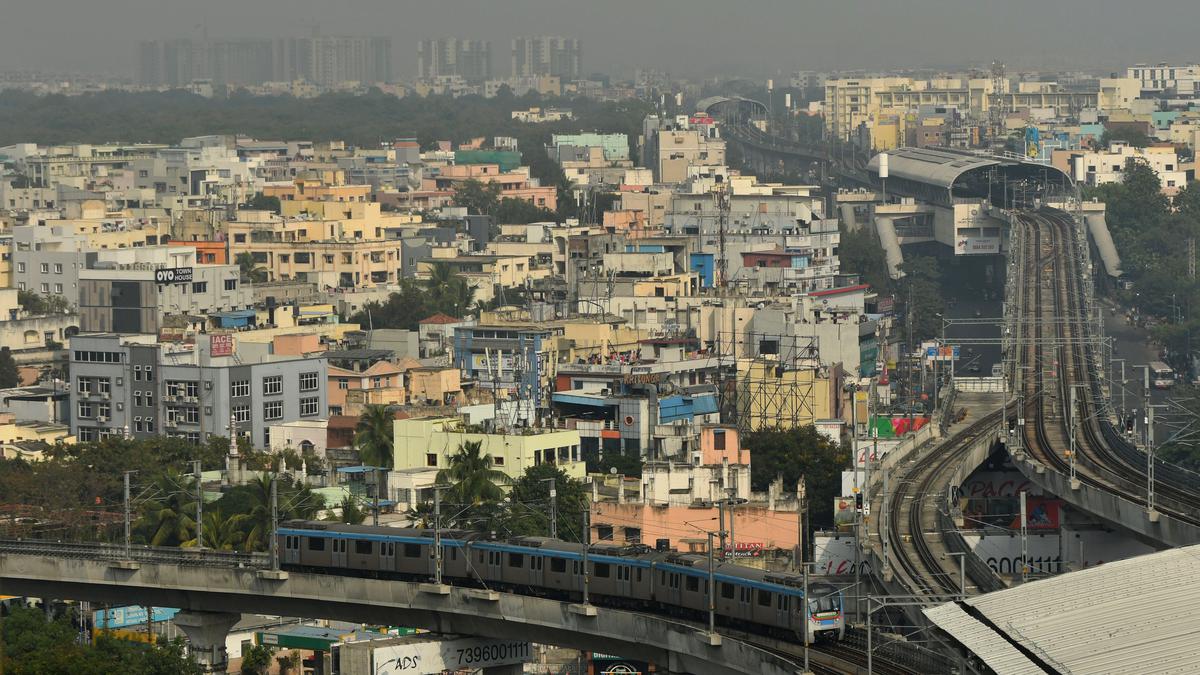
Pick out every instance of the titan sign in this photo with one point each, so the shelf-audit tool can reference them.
(173, 275)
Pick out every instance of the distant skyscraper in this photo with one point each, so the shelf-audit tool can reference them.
(468, 59)
(547, 55)
(322, 60)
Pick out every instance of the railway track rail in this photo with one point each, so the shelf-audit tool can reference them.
(1054, 338)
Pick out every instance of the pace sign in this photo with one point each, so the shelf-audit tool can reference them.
(173, 275)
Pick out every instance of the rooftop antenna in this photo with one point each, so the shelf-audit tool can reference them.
(723, 219)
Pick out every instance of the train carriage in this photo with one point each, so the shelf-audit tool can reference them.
(628, 576)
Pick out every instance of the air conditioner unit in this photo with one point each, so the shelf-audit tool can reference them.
(171, 422)
(102, 419)
(191, 399)
(106, 395)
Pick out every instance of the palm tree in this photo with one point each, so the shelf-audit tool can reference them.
(251, 271)
(471, 476)
(222, 533)
(294, 503)
(167, 520)
(441, 277)
(373, 436)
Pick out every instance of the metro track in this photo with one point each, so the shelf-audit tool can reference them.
(1051, 303)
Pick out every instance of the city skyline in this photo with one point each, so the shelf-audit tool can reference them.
(699, 40)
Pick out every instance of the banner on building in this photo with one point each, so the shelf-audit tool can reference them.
(892, 427)
(220, 344)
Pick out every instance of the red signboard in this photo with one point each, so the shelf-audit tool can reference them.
(221, 345)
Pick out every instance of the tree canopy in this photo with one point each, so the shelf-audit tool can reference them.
(31, 644)
(794, 453)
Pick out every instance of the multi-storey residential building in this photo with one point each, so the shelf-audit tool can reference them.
(672, 147)
(547, 55)
(1108, 166)
(324, 60)
(468, 59)
(334, 244)
(1177, 81)
(432, 441)
(134, 385)
(142, 293)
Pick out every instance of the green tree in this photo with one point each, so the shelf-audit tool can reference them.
(1133, 137)
(403, 309)
(256, 660)
(222, 533)
(9, 377)
(794, 453)
(352, 512)
(168, 517)
(477, 196)
(513, 211)
(920, 291)
(472, 479)
(449, 292)
(529, 502)
(374, 436)
(860, 253)
(261, 202)
(250, 270)
(31, 644)
(41, 305)
(253, 499)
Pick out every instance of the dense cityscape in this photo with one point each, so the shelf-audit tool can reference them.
(345, 353)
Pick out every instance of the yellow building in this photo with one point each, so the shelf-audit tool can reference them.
(432, 441)
(336, 244)
(771, 394)
(26, 440)
(6, 264)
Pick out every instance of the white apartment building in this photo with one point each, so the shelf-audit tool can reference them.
(1108, 166)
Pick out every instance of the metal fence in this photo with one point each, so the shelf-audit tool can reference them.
(146, 554)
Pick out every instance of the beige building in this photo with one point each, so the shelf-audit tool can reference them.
(432, 441)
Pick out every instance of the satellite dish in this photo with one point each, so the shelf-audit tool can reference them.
(613, 470)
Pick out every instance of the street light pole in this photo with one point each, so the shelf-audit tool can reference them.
(199, 504)
(127, 475)
(712, 589)
(553, 508)
(274, 522)
(587, 543)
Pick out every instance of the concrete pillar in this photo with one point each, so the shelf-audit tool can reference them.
(206, 633)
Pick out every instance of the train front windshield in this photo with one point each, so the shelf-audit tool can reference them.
(824, 604)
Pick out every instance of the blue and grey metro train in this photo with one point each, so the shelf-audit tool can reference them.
(626, 576)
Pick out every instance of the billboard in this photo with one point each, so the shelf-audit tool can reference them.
(977, 246)
(134, 615)
(436, 656)
(173, 275)
(220, 345)
(942, 353)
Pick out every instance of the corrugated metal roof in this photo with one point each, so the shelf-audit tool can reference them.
(1000, 655)
(934, 167)
(1138, 615)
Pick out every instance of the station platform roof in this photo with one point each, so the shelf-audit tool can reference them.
(1137, 615)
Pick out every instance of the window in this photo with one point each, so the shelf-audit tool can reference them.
(316, 544)
(431, 459)
(602, 570)
(149, 373)
(362, 547)
(45, 288)
(58, 266)
(558, 565)
(273, 385)
(273, 410)
(21, 267)
(200, 287)
(240, 388)
(343, 383)
(149, 426)
(59, 289)
(692, 584)
(764, 598)
(241, 414)
(718, 439)
(231, 284)
(516, 559)
(498, 461)
(412, 550)
(85, 409)
(727, 591)
(45, 268)
(604, 532)
(308, 381)
(85, 386)
(310, 407)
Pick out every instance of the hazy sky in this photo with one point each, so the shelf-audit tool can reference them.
(689, 37)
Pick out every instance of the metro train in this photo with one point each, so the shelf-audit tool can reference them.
(625, 576)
